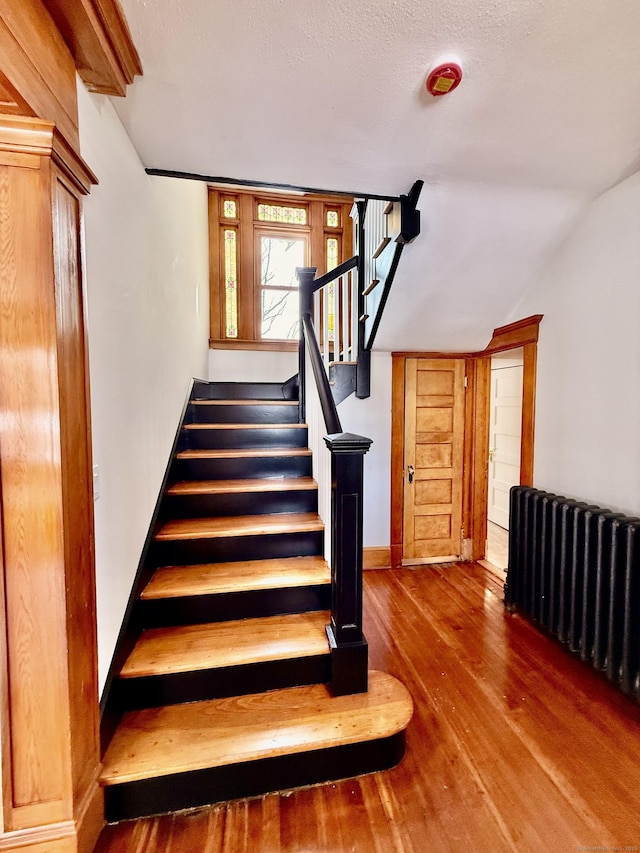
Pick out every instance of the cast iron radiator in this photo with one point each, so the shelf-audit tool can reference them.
(575, 569)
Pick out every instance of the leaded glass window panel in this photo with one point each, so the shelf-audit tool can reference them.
(333, 219)
(282, 213)
(231, 282)
(332, 253)
(230, 208)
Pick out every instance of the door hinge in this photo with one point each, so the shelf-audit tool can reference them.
(466, 379)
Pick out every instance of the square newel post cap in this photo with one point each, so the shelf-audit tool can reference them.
(347, 442)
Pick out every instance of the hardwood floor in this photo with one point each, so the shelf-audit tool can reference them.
(515, 745)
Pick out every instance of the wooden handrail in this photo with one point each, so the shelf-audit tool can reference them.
(329, 410)
(336, 272)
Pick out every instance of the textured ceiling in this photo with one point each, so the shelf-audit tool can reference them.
(330, 94)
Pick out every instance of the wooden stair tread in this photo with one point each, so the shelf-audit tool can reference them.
(180, 738)
(188, 648)
(244, 426)
(230, 487)
(220, 578)
(239, 525)
(240, 453)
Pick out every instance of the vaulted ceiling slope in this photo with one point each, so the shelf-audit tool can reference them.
(330, 94)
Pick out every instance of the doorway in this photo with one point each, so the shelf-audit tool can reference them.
(505, 438)
(517, 340)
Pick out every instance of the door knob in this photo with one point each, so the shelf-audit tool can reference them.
(411, 471)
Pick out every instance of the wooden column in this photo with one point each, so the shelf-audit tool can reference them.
(48, 661)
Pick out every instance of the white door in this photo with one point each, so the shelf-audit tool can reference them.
(505, 429)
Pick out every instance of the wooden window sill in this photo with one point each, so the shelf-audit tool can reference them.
(272, 346)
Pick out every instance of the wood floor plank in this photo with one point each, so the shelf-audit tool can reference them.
(218, 578)
(187, 648)
(230, 487)
(177, 738)
(243, 525)
(515, 746)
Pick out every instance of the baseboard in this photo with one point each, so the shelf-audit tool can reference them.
(376, 558)
(67, 836)
(52, 838)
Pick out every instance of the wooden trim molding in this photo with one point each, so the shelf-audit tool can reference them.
(21, 135)
(397, 458)
(511, 336)
(514, 335)
(376, 558)
(38, 67)
(270, 346)
(98, 37)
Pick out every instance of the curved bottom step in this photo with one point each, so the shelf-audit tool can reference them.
(182, 756)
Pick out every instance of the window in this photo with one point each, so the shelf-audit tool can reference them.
(256, 243)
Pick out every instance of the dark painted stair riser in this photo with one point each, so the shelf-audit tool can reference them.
(246, 390)
(225, 607)
(173, 689)
(201, 438)
(239, 503)
(236, 468)
(251, 778)
(189, 551)
(241, 414)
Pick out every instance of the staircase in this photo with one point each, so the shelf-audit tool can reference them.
(220, 686)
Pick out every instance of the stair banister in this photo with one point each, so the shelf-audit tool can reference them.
(349, 652)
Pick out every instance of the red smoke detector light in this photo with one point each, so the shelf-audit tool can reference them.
(443, 78)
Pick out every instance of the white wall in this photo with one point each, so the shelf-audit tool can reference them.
(251, 365)
(588, 401)
(146, 274)
(372, 418)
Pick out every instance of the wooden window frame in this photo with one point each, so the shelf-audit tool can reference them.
(248, 228)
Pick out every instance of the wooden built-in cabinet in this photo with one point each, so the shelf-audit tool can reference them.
(51, 800)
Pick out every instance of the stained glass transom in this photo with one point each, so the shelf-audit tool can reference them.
(333, 219)
(281, 213)
(231, 283)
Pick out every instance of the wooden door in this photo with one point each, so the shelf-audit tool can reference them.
(505, 430)
(433, 455)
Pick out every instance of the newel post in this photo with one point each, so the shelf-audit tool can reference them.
(349, 653)
(306, 276)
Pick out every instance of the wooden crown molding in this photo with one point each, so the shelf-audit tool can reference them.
(36, 137)
(98, 37)
(525, 331)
